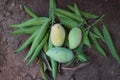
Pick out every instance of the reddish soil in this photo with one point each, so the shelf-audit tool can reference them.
(12, 66)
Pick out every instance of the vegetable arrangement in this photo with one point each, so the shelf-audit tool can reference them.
(62, 42)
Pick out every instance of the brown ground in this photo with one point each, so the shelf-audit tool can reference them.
(12, 66)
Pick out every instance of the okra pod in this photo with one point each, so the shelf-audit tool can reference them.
(38, 49)
(27, 42)
(110, 44)
(86, 40)
(98, 33)
(85, 14)
(31, 22)
(70, 15)
(53, 63)
(96, 44)
(52, 16)
(52, 8)
(80, 54)
(25, 30)
(31, 13)
(66, 21)
(40, 33)
(76, 10)
(42, 70)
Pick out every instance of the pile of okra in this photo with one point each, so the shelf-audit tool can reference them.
(38, 29)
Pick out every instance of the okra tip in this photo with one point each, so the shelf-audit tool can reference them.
(11, 33)
(29, 62)
(14, 25)
(24, 5)
(16, 51)
(11, 25)
(25, 58)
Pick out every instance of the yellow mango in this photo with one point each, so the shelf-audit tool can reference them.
(60, 54)
(74, 37)
(57, 35)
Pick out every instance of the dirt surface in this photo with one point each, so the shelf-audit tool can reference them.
(12, 66)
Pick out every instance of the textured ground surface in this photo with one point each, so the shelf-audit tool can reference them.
(12, 66)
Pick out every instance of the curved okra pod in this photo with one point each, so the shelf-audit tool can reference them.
(31, 13)
(40, 34)
(31, 22)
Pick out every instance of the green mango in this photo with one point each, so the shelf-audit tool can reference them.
(74, 37)
(60, 54)
(57, 35)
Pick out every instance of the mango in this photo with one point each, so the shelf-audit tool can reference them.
(74, 37)
(60, 54)
(57, 35)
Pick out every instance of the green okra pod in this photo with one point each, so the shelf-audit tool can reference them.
(42, 70)
(38, 49)
(76, 10)
(110, 44)
(53, 63)
(52, 8)
(27, 42)
(86, 40)
(67, 22)
(31, 22)
(70, 15)
(98, 33)
(80, 54)
(96, 44)
(88, 15)
(85, 14)
(31, 13)
(46, 60)
(93, 24)
(25, 30)
(40, 33)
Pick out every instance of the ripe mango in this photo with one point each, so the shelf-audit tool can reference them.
(74, 37)
(60, 54)
(57, 35)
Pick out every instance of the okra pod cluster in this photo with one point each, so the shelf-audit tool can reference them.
(62, 42)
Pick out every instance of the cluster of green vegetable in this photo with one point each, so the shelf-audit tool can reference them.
(62, 42)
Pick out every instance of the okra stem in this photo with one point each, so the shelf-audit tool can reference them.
(95, 22)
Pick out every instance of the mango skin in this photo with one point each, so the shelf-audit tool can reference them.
(57, 35)
(74, 37)
(60, 54)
